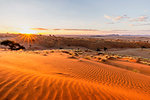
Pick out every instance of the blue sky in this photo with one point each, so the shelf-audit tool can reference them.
(97, 15)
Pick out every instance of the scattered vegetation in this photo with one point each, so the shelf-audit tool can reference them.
(89, 43)
(12, 45)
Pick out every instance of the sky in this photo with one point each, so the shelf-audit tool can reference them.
(75, 16)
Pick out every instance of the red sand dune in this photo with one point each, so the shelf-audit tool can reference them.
(29, 76)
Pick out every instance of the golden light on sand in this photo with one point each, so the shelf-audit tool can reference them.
(34, 76)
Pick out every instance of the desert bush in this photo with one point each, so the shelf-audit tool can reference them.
(78, 50)
(111, 58)
(73, 57)
(61, 48)
(67, 52)
(100, 53)
(99, 58)
(44, 54)
(87, 57)
(105, 49)
(80, 60)
(98, 49)
(12, 45)
(88, 50)
(103, 60)
(143, 47)
(52, 51)
(135, 70)
(76, 54)
(68, 45)
(7, 43)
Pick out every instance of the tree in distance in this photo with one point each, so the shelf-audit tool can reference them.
(12, 45)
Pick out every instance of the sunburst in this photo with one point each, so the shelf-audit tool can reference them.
(29, 38)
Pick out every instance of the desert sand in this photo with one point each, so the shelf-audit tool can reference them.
(133, 52)
(55, 76)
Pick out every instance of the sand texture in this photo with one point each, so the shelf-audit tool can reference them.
(29, 76)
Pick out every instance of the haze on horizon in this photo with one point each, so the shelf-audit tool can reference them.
(75, 16)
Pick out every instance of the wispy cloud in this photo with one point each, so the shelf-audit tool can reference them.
(139, 19)
(76, 29)
(120, 30)
(39, 29)
(108, 17)
(128, 32)
(116, 18)
(56, 29)
(110, 23)
(145, 24)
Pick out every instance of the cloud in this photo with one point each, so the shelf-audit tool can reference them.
(146, 11)
(120, 30)
(56, 29)
(76, 29)
(116, 18)
(39, 29)
(145, 24)
(110, 23)
(107, 17)
(128, 32)
(139, 19)
(121, 17)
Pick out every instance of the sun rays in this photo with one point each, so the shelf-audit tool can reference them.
(29, 38)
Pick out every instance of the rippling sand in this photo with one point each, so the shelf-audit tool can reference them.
(29, 76)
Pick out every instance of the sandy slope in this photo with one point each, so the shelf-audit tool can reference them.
(141, 68)
(31, 76)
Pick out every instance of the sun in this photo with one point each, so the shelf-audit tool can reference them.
(27, 31)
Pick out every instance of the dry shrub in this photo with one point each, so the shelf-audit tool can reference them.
(99, 58)
(73, 57)
(87, 57)
(145, 62)
(103, 60)
(111, 58)
(67, 52)
(36, 52)
(44, 54)
(76, 54)
(80, 60)
(135, 70)
(52, 51)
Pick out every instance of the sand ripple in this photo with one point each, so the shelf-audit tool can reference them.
(57, 77)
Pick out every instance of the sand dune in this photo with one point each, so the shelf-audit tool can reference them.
(29, 76)
(144, 69)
